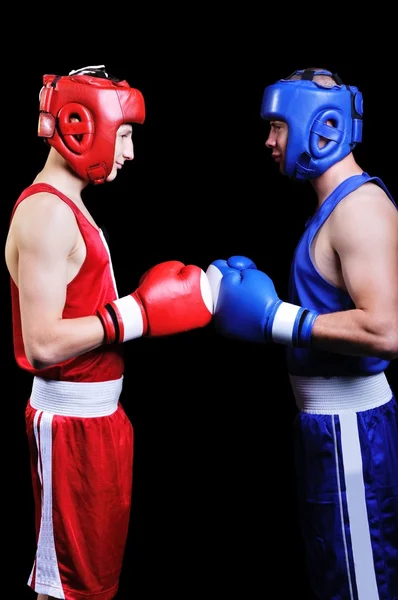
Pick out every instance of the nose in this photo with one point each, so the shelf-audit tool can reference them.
(270, 141)
(128, 151)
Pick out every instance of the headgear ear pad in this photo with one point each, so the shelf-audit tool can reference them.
(307, 108)
(80, 116)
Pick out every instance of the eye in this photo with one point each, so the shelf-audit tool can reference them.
(125, 136)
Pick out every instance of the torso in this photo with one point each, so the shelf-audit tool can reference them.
(326, 259)
(89, 275)
(316, 277)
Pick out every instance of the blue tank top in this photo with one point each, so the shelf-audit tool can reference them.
(309, 289)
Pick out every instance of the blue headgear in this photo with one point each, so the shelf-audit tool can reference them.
(306, 106)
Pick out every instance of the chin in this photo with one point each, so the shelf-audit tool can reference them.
(112, 175)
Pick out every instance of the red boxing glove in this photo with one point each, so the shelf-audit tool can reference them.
(171, 298)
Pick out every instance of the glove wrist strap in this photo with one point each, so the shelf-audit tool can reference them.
(123, 319)
(291, 325)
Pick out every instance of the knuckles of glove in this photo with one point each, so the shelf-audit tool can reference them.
(245, 303)
(176, 298)
(221, 267)
(241, 263)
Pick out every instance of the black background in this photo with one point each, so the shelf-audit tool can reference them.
(213, 507)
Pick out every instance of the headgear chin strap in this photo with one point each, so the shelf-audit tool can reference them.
(306, 107)
(80, 114)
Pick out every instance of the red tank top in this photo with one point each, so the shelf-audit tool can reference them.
(92, 287)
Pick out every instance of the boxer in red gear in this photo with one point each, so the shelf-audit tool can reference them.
(68, 327)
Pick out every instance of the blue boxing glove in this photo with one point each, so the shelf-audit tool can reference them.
(216, 271)
(247, 307)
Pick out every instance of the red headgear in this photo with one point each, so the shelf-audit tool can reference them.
(100, 104)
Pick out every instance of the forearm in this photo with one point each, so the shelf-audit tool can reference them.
(355, 332)
(65, 339)
(247, 307)
(171, 298)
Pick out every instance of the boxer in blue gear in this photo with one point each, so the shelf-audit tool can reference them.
(340, 329)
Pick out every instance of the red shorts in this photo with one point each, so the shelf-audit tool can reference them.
(81, 445)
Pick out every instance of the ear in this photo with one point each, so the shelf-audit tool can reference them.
(76, 127)
(321, 128)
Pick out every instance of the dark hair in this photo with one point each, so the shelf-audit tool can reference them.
(326, 81)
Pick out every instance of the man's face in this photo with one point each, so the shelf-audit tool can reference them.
(124, 149)
(277, 142)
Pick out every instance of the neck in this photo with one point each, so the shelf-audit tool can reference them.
(56, 172)
(328, 181)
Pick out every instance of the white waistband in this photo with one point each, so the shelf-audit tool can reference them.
(332, 395)
(74, 398)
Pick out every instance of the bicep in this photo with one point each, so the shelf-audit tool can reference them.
(44, 245)
(367, 246)
(41, 282)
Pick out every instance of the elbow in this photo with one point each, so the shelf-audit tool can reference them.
(387, 353)
(387, 345)
(391, 348)
(41, 356)
(38, 363)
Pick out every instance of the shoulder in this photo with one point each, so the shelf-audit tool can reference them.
(43, 219)
(366, 202)
(365, 214)
(43, 208)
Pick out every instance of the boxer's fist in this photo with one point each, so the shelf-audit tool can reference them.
(245, 302)
(248, 308)
(171, 298)
(218, 268)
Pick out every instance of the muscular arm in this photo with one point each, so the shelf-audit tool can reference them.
(44, 235)
(364, 235)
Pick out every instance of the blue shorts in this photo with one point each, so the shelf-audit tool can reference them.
(346, 454)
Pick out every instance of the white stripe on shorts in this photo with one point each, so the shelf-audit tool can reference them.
(365, 575)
